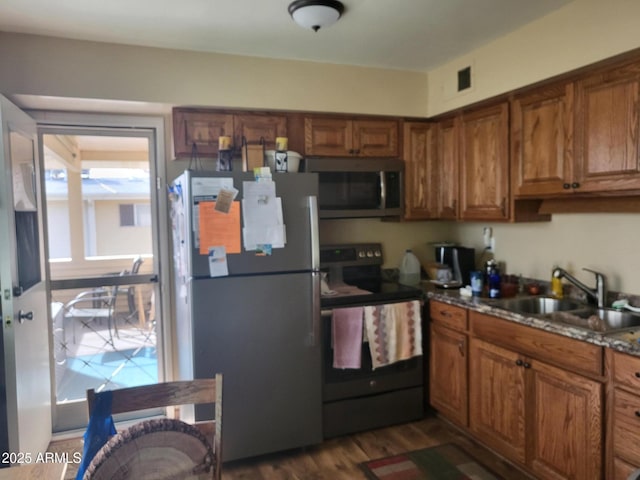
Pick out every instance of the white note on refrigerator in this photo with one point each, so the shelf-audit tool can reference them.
(262, 213)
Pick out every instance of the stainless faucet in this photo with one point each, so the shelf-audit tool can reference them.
(594, 295)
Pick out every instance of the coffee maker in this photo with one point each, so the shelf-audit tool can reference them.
(461, 260)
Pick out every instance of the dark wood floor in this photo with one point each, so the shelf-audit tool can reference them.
(338, 458)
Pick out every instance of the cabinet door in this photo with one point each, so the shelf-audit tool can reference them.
(448, 374)
(565, 424)
(484, 163)
(446, 184)
(254, 127)
(607, 123)
(328, 137)
(375, 138)
(541, 136)
(420, 175)
(199, 128)
(497, 398)
(626, 426)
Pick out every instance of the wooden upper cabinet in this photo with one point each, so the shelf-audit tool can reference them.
(446, 185)
(420, 170)
(375, 138)
(200, 128)
(541, 136)
(607, 117)
(254, 127)
(484, 163)
(338, 137)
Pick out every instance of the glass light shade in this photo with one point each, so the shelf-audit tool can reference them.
(315, 16)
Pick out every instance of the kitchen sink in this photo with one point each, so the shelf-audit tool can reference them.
(598, 319)
(570, 312)
(538, 305)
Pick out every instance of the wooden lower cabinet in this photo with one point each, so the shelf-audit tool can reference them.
(448, 373)
(535, 397)
(535, 414)
(624, 415)
(496, 398)
(564, 430)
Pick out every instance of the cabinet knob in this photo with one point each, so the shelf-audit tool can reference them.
(637, 413)
(519, 362)
(637, 374)
(575, 185)
(566, 186)
(373, 384)
(527, 365)
(461, 348)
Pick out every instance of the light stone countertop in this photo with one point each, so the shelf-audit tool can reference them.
(623, 340)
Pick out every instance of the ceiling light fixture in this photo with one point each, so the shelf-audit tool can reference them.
(316, 14)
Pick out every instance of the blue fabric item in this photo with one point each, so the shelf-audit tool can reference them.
(100, 428)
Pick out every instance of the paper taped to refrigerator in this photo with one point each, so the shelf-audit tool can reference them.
(263, 219)
(266, 228)
(217, 228)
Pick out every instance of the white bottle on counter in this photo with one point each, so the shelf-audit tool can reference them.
(409, 269)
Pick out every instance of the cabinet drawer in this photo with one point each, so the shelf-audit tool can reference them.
(626, 426)
(562, 351)
(448, 315)
(626, 370)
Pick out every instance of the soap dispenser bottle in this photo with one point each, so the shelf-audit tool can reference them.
(556, 285)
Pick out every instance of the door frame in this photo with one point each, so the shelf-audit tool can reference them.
(56, 122)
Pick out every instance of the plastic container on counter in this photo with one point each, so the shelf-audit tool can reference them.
(409, 269)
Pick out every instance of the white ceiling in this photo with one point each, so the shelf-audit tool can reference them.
(399, 34)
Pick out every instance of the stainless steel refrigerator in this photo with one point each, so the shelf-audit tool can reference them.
(258, 325)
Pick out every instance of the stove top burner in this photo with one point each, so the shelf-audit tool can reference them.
(386, 292)
(354, 273)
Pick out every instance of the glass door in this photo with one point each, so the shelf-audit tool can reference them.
(102, 256)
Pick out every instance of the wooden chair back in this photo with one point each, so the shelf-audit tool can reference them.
(170, 394)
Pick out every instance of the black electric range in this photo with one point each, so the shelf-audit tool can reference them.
(360, 266)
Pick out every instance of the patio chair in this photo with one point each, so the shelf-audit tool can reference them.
(94, 305)
(157, 448)
(133, 303)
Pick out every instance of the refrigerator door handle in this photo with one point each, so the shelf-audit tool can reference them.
(314, 327)
(312, 203)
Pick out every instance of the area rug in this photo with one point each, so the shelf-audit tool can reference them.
(443, 462)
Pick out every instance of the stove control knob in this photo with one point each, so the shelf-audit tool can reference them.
(361, 254)
(369, 253)
(378, 253)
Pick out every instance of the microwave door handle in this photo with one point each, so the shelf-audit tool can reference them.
(383, 190)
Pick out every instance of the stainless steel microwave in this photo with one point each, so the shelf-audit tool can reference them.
(358, 187)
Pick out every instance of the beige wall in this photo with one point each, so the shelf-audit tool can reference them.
(603, 242)
(395, 236)
(69, 68)
(581, 33)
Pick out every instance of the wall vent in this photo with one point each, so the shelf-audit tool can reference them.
(464, 78)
